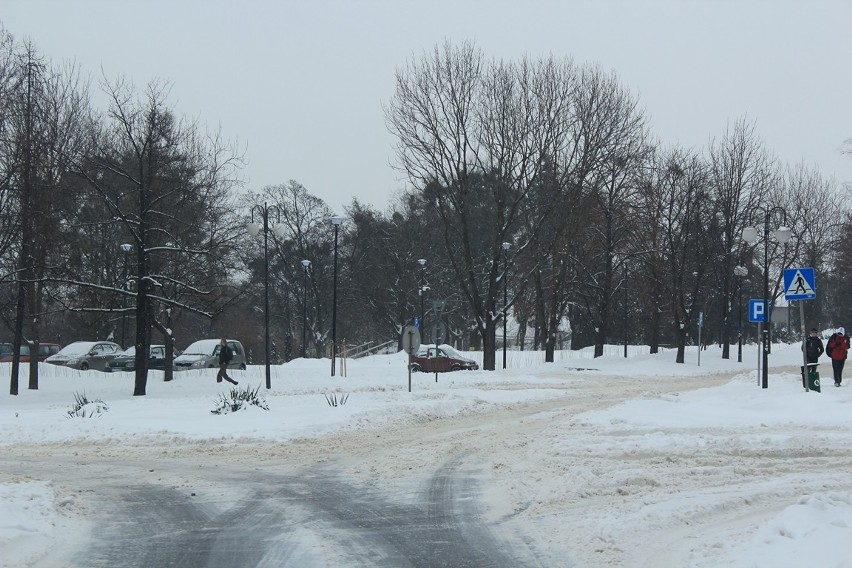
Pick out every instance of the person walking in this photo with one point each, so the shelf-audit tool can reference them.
(837, 348)
(225, 356)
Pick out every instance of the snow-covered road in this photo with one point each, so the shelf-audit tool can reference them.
(570, 468)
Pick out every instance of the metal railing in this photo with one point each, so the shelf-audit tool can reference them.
(370, 349)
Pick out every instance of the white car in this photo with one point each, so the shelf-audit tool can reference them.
(204, 354)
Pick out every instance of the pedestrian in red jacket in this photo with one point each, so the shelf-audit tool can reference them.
(837, 348)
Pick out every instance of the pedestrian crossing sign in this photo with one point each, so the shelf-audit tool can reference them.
(799, 284)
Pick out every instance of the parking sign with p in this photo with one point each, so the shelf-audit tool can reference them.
(757, 310)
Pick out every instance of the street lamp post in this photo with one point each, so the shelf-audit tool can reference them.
(253, 229)
(782, 235)
(125, 248)
(422, 291)
(336, 220)
(306, 264)
(506, 246)
(624, 308)
(740, 272)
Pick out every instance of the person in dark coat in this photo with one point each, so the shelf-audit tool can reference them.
(813, 347)
(838, 348)
(225, 356)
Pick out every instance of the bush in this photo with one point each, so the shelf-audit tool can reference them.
(238, 400)
(84, 408)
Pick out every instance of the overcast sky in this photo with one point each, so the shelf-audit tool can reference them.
(301, 84)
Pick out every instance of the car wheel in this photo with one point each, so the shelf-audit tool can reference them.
(415, 368)
(455, 368)
(84, 367)
(242, 366)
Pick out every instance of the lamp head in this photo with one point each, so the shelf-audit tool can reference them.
(750, 235)
(783, 234)
(306, 263)
(125, 247)
(506, 245)
(280, 230)
(336, 220)
(253, 229)
(421, 261)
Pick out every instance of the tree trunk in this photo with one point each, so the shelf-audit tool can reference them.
(726, 310)
(489, 346)
(655, 330)
(680, 339)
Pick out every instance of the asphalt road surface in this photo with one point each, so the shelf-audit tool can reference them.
(227, 511)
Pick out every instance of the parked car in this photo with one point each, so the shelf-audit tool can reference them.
(85, 355)
(432, 359)
(126, 360)
(45, 350)
(204, 353)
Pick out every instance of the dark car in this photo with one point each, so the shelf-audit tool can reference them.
(440, 359)
(126, 361)
(45, 350)
(204, 354)
(85, 355)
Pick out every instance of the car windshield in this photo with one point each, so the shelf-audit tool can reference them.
(129, 352)
(444, 351)
(79, 348)
(5, 348)
(204, 347)
(451, 352)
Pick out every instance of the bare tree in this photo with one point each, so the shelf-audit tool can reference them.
(165, 186)
(615, 145)
(384, 265)
(46, 111)
(301, 223)
(9, 164)
(680, 194)
(471, 135)
(741, 174)
(815, 214)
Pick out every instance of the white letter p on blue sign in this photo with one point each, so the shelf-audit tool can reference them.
(756, 311)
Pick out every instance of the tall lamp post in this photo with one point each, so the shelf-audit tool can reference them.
(506, 246)
(253, 229)
(740, 272)
(336, 220)
(125, 248)
(624, 308)
(422, 292)
(782, 235)
(306, 264)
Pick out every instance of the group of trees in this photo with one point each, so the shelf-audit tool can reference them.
(537, 179)
(106, 215)
(612, 233)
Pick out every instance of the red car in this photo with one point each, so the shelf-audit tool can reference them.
(431, 359)
(45, 350)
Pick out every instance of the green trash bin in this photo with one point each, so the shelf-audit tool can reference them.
(813, 377)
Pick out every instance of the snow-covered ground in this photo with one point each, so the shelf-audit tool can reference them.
(596, 462)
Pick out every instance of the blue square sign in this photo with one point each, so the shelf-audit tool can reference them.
(757, 310)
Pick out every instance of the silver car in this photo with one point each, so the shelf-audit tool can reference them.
(204, 354)
(85, 355)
